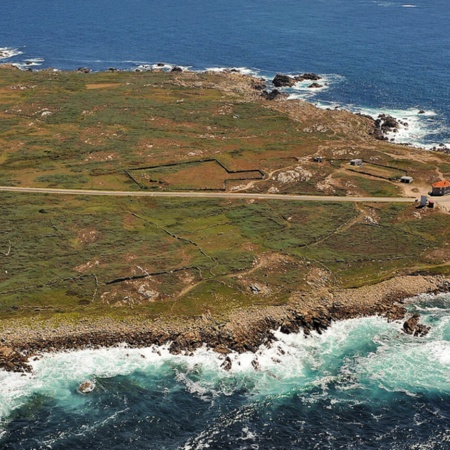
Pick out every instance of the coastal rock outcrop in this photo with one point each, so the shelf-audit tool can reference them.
(281, 80)
(176, 69)
(413, 327)
(83, 70)
(308, 76)
(13, 361)
(385, 124)
(273, 95)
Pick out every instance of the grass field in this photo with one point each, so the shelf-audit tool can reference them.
(93, 256)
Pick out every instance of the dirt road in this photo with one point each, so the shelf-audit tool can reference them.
(196, 194)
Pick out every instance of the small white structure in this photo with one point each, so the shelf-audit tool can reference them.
(406, 179)
(356, 162)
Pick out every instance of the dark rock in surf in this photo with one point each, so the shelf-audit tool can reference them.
(227, 364)
(413, 327)
(308, 76)
(281, 80)
(385, 124)
(176, 69)
(315, 85)
(86, 387)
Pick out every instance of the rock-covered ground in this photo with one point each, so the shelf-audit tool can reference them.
(245, 330)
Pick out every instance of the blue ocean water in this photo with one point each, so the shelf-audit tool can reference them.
(376, 55)
(361, 385)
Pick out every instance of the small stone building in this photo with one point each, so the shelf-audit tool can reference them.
(406, 179)
(356, 162)
(441, 188)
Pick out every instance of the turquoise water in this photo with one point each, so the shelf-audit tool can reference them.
(361, 384)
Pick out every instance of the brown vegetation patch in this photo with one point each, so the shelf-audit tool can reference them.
(438, 256)
(102, 85)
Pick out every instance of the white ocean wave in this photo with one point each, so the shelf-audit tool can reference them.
(243, 70)
(419, 129)
(8, 52)
(167, 67)
(356, 355)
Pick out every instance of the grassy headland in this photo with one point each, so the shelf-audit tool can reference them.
(69, 258)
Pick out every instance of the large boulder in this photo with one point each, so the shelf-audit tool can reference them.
(281, 80)
(86, 387)
(308, 76)
(413, 327)
(227, 364)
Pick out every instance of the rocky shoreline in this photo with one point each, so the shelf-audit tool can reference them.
(244, 330)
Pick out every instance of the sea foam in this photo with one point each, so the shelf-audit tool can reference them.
(8, 52)
(363, 356)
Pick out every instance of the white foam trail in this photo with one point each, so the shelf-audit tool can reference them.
(8, 52)
(243, 70)
(420, 125)
(160, 66)
(353, 354)
(29, 62)
(302, 90)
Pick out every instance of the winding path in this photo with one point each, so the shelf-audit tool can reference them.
(196, 194)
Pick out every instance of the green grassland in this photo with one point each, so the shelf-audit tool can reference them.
(80, 256)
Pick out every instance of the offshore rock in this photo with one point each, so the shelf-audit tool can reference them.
(227, 364)
(281, 80)
(86, 387)
(308, 76)
(413, 327)
(315, 85)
